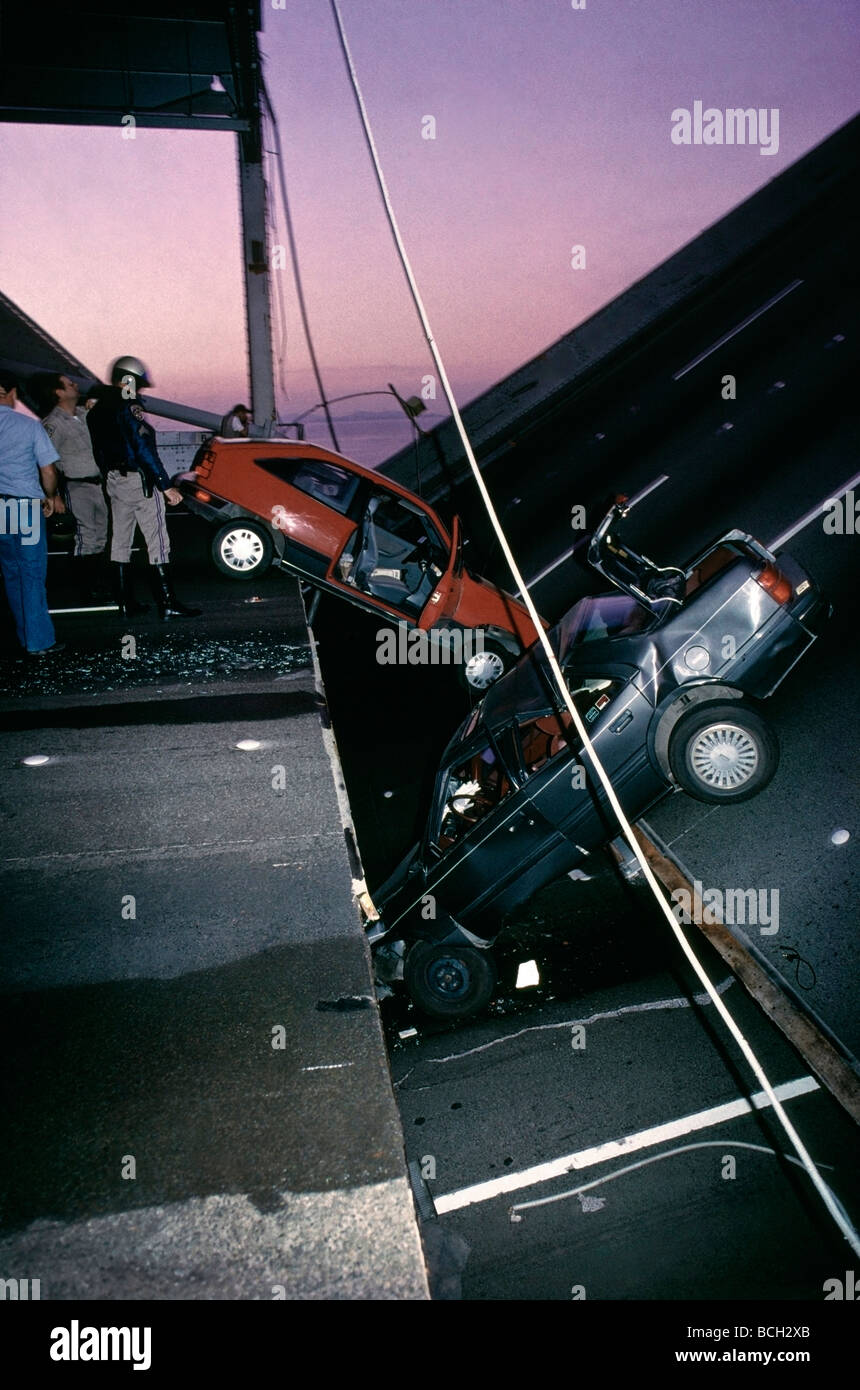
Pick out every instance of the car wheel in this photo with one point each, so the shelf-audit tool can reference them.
(723, 753)
(242, 550)
(482, 669)
(449, 981)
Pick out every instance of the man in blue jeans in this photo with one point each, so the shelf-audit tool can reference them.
(28, 492)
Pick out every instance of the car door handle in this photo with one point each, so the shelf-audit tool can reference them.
(622, 722)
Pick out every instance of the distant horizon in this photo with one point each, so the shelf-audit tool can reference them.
(537, 160)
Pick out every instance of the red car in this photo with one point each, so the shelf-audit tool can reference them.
(345, 530)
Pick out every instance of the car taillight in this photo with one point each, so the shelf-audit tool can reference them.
(203, 465)
(201, 495)
(775, 582)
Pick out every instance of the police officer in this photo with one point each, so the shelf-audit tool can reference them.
(137, 485)
(65, 423)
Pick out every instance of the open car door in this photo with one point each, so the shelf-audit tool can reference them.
(660, 588)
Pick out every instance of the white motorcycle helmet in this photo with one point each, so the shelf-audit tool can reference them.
(129, 367)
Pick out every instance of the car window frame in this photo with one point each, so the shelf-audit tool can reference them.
(482, 737)
(530, 717)
(295, 461)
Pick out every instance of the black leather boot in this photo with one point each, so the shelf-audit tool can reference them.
(128, 605)
(83, 572)
(168, 604)
(92, 584)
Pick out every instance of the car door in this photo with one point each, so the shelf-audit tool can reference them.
(312, 502)
(479, 812)
(395, 558)
(616, 714)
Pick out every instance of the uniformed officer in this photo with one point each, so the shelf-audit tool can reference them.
(65, 423)
(137, 485)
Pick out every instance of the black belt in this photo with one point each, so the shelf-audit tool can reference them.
(94, 478)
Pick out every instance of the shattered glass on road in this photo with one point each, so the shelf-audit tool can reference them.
(172, 657)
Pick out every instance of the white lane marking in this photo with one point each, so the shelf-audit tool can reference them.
(815, 512)
(568, 554)
(615, 1148)
(646, 491)
(680, 1003)
(329, 1066)
(644, 1162)
(92, 608)
(738, 328)
(536, 578)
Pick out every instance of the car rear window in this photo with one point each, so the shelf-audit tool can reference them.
(711, 565)
(607, 616)
(327, 483)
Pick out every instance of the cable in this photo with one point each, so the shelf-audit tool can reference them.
(333, 400)
(824, 1192)
(282, 311)
(354, 395)
(294, 257)
(515, 1210)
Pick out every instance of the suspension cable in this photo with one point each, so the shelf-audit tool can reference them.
(294, 257)
(826, 1195)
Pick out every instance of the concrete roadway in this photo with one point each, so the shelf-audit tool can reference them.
(171, 899)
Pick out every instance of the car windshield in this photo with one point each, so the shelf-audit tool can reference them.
(606, 616)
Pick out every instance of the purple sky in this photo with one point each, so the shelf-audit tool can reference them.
(552, 128)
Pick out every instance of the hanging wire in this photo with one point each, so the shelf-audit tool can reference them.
(281, 352)
(294, 257)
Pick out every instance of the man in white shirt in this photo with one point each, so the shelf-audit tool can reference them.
(28, 492)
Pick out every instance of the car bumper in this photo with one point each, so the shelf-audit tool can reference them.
(215, 510)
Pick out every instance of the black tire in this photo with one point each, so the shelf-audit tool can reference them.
(242, 549)
(484, 668)
(449, 981)
(723, 753)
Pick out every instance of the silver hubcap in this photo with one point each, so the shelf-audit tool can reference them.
(483, 668)
(724, 756)
(242, 549)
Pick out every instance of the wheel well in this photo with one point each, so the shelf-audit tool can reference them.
(680, 704)
(444, 930)
(275, 534)
(497, 635)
